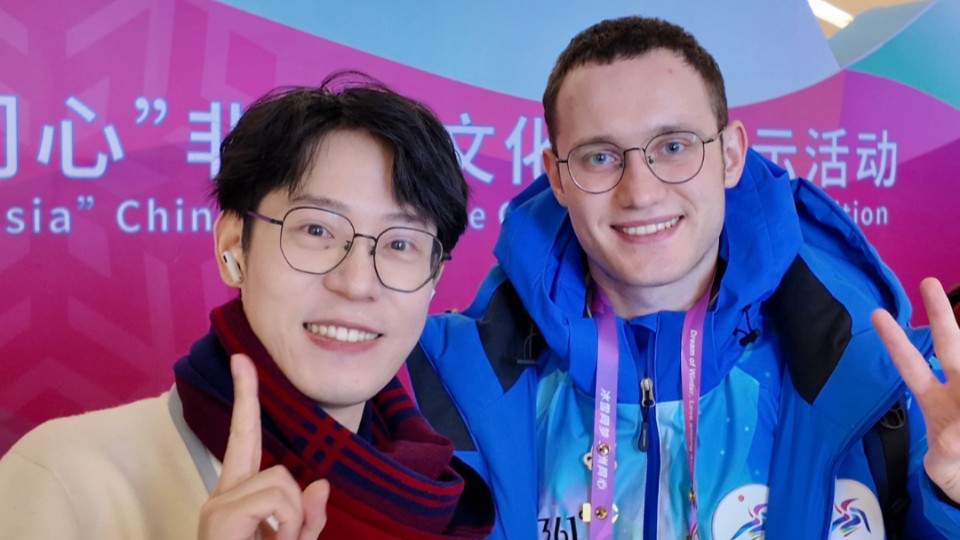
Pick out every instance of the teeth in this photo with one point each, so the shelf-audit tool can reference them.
(339, 333)
(644, 230)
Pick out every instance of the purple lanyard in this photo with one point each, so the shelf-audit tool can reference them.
(691, 351)
(604, 451)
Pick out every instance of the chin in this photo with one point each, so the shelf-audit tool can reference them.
(343, 394)
(636, 274)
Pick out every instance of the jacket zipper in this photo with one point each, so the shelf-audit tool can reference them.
(650, 441)
(646, 403)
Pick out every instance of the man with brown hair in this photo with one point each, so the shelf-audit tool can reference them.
(709, 367)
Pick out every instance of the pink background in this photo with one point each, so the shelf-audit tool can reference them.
(96, 316)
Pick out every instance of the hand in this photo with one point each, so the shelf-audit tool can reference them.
(245, 500)
(939, 403)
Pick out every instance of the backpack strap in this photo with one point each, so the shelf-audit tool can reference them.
(887, 449)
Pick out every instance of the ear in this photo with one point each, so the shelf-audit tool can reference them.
(436, 277)
(552, 169)
(227, 237)
(734, 153)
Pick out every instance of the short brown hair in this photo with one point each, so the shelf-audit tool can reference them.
(631, 37)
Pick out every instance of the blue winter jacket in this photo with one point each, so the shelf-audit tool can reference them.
(793, 378)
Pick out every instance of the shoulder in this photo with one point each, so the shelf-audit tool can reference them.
(103, 474)
(501, 340)
(136, 444)
(102, 430)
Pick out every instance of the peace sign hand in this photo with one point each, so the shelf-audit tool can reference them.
(251, 504)
(939, 402)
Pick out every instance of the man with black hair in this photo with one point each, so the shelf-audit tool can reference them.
(339, 206)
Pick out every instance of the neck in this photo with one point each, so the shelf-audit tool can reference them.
(347, 416)
(629, 300)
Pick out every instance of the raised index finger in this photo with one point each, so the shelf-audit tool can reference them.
(242, 457)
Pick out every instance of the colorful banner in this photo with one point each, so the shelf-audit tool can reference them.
(111, 113)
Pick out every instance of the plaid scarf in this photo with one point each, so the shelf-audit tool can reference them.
(396, 478)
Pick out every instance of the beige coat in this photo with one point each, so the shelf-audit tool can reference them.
(122, 473)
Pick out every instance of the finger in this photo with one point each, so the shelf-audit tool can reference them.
(943, 325)
(242, 457)
(907, 359)
(287, 520)
(315, 499)
(242, 517)
(269, 502)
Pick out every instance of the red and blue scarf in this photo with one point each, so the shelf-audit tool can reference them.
(395, 478)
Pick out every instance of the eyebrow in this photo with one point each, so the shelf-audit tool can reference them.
(405, 216)
(656, 132)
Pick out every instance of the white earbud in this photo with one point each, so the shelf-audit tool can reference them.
(233, 267)
(433, 293)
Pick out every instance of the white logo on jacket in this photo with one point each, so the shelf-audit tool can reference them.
(741, 513)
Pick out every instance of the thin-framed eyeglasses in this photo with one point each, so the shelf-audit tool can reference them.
(316, 240)
(673, 157)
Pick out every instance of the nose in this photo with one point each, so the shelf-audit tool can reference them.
(356, 277)
(639, 186)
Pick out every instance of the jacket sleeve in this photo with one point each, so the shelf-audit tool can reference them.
(33, 503)
(937, 510)
(931, 513)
